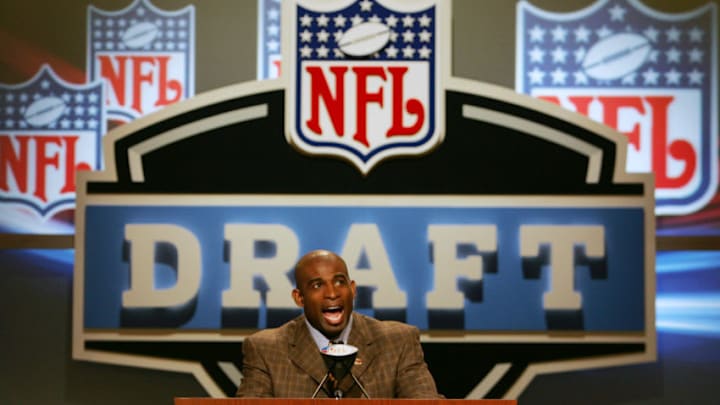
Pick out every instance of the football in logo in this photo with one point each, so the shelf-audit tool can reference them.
(616, 56)
(45, 111)
(364, 39)
(140, 35)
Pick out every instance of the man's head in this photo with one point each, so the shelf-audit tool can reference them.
(325, 291)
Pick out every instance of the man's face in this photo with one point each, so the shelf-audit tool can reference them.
(326, 293)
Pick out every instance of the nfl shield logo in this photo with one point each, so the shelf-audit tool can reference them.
(268, 39)
(49, 128)
(366, 78)
(647, 74)
(144, 54)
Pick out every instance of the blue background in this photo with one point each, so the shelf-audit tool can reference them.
(511, 301)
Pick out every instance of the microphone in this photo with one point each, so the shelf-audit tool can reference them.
(339, 359)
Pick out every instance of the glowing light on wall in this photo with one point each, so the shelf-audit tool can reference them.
(689, 313)
(23, 222)
(688, 296)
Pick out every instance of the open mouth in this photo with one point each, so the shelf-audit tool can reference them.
(333, 315)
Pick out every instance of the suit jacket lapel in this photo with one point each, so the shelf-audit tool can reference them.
(361, 338)
(303, 351)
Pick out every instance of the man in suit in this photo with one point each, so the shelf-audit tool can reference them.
(286, 361)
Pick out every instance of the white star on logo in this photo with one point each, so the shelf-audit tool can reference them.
(322, 51)
(696, 34)
(306, 36)
(651, 33)
(536, 54)
(366, 5)
(580, 78)
(536, 34)
(536, 75)
(695, 76)
(559, 33)
(424, 52)
(424, 36)
(603, 32)
(305, 52)
(305, 21)
(339, 20)
(558, 76)
(424, 21)
(653, 56)
(322, 20)
(673, 55)
(408, 36)
(391, 21)
(391, 52)
(617, 13)
(673, 76)
(695, 55)
(408, 51)
(323, 36)
(650, 76)
(356, 20)
(408, 21)
(673, 35)
(558, 55)
(579, 54)
(582, 34)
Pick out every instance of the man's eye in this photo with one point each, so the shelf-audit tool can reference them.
(315, 285)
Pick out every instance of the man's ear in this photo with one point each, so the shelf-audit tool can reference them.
(297, 296)
(353, 287)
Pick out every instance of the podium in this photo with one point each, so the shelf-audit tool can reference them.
(345, 401)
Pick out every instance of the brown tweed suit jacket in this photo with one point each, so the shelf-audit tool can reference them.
(285, 362)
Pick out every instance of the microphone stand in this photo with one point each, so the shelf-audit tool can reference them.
(322, 382)
(359, 385)
(339, 359)
(338, 394)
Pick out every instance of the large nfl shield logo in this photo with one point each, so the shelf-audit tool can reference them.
(647, 74)
(144, 54)
(49, 128)
(365, 77)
